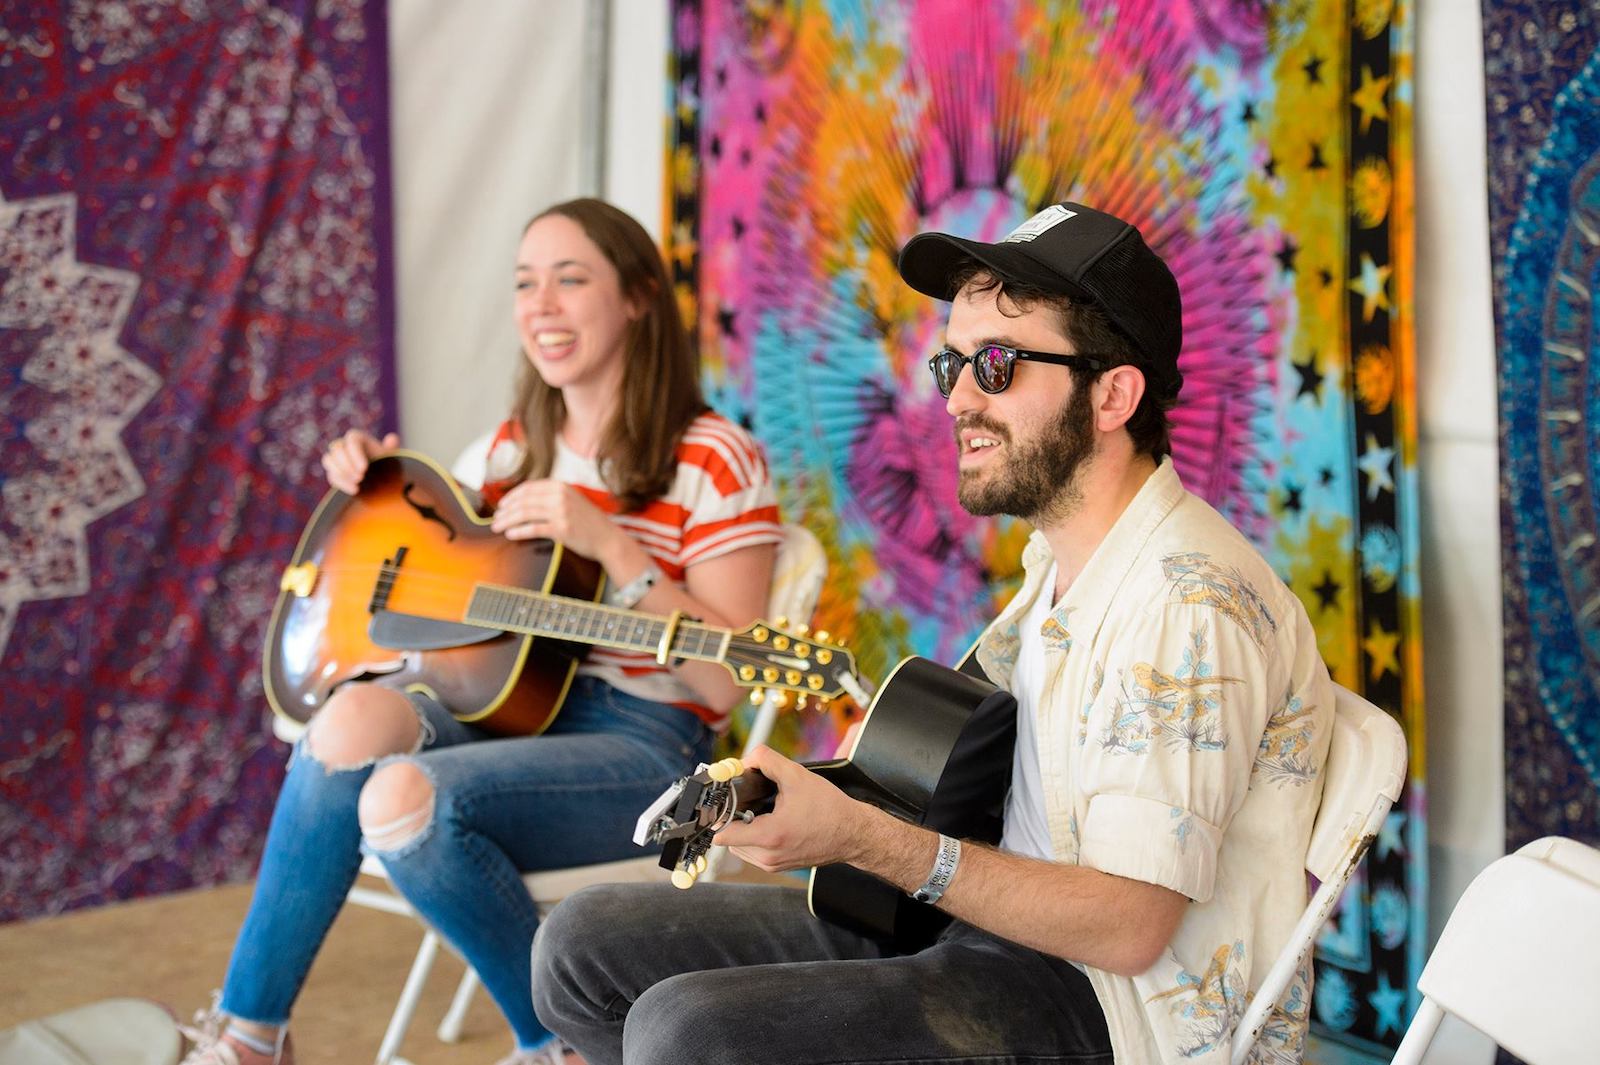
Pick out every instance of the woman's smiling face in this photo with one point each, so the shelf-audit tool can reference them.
(572, 316)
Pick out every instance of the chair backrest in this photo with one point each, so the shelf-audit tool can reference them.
(1519, 958)
(1365, 771)
(1361, 780)
(798, 574)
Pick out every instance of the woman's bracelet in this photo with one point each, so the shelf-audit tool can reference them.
(627, 596)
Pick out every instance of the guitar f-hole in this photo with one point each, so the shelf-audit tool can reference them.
(427, 511)
(387, 572)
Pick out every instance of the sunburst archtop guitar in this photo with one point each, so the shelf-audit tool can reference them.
(405, 584)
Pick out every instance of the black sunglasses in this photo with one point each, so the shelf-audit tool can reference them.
(992, 365)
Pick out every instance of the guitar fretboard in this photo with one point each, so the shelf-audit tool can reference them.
(539, 614)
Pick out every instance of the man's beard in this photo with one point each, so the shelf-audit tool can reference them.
(1039, 480)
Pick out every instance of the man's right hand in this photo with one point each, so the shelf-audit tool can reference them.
(346, 459)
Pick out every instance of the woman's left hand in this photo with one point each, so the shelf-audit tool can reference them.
(557, 511)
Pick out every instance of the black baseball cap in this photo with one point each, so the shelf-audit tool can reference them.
(1080, 253)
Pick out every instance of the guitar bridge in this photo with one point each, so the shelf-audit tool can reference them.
(387, 572)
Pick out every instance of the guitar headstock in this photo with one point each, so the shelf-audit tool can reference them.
(689, 814)
(767, 655)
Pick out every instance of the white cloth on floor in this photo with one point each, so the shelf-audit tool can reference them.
(115, 1031)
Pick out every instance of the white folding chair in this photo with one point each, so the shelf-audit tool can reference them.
(1519, 959)
(797, 578)
(1365, 770)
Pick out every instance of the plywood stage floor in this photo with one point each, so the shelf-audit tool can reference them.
(173, 949)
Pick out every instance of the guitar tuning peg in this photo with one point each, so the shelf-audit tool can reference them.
(784, 700)
(725, 770)
(823, 636)
(700, 864)
(683, 879)
(782, 622)
(758, 696)
(802, 630)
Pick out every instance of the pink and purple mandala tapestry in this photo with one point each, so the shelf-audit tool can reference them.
(1263, 149)
(194, 285)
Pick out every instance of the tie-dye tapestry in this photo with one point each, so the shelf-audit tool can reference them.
(1543, 86)
(194, 285)
(1264, 149)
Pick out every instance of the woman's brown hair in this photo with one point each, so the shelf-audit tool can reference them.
(660, 378)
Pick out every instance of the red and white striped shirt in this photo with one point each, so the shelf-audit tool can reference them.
(720, 501)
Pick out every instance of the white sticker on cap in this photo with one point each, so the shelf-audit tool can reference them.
(1051, 216)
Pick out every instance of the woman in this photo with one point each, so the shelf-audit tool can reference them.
(614, 453)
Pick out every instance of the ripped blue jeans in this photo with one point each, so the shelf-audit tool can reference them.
(502, 806)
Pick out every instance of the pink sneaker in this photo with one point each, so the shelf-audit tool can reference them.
(211, 1043)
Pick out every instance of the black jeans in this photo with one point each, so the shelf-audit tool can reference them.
(728, 974)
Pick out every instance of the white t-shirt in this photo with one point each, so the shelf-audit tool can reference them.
(1027, 830)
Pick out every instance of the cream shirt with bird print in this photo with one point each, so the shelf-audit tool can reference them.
(1182, 728)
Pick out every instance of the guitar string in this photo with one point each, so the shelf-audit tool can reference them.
(437, 579)
(433, 580)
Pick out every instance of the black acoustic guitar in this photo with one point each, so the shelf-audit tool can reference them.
(934, 749)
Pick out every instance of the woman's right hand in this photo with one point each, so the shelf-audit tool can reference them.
(345, 462)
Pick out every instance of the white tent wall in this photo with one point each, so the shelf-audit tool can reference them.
(487, 129)
(637, 117)
(1458, 477)
(487, 104)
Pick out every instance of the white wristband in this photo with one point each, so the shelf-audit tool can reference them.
(627, 596)
(944, 869)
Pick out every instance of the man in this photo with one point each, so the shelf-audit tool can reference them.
(1173, 718)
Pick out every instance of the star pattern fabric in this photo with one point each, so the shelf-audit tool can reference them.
(871, 120)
